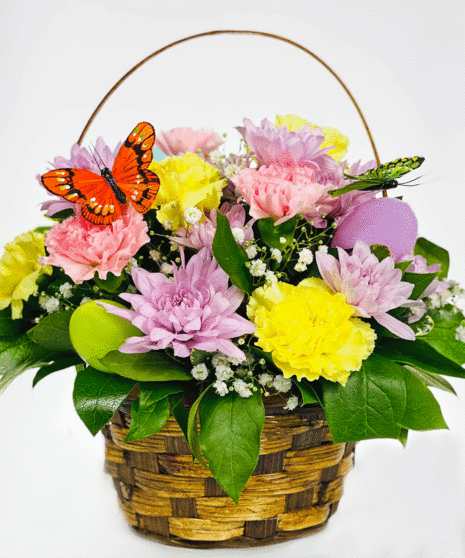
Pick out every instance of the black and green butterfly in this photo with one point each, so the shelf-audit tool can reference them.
(383, 177)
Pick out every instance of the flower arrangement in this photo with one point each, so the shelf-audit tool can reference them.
(220, 280)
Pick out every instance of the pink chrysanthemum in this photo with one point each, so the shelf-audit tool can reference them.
(80, 158)
(194, 310)
(181, 140)
(278, 145)
(339, 207)
(201, 235)
(280, 192)
(370, 286)
(83, 249)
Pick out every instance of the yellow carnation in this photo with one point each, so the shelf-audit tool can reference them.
(332, 136)
(309, 330)
(19, 269)
(186, 181)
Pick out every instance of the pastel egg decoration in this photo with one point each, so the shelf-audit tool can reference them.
(386, 221)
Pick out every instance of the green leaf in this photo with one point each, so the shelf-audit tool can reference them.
(230, 429)
(147, 418)
(192, 429)
(420, 280)
(380, 251)
(272, 234)
(179, 411)
(420, 354)
(52, 332)
(154, 366)
(17, 355)
(370, 405)
(403, 265)
(422, 411)
(230, 256)
(433, 254)
(431, 380)
(403, 435)
(66, 361)
(307, 391)
(98, 395)
(112, 283)
(442, 336)
(8, 327)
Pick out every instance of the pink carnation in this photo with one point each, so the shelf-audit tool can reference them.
(83, 249)
(181, 140)
(201, 235)
(194, 310)
(370, 286)
(280, 192)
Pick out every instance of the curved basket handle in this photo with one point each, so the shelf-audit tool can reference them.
(231, 32)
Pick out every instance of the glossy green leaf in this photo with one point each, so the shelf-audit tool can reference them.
(230, 429)
(62, 363)
(272, 234)
(403, 265)
(422, 411)
(433, 254)
(8, 327)
(112, 283)
(442, 336)
(193, 431)
(420, 280)
(230, 256)
(431, 380)
(370, 405)
(380, 251)
(179, 411)
(154, 366)
(98, 395)
(309, 395)
(52, 332)
(420, 354)
(147, 417)
(17, 355)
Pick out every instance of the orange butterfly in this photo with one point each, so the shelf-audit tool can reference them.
(102, 198)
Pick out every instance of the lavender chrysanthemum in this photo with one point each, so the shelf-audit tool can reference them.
(194, 310)
(278, 145)
(370, 286)
(80, 158)
(339, 207)
(200, 235)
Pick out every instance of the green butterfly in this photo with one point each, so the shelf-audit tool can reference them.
(383, 177)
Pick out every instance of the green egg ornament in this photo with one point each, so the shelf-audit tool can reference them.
(94, 332)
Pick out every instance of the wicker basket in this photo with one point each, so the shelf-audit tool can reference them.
(294, 489)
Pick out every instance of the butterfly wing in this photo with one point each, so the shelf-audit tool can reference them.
(130, 170)
(91, 191)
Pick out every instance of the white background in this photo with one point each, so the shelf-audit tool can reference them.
(404, 63)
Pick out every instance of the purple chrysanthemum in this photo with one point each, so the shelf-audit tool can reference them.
(194, 310)
(201, 235)
(370, 286)
(80, 158)
(339, 207)
(278, 145)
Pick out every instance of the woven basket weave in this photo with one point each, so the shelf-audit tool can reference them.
(294, 489)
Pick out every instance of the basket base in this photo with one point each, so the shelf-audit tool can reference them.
(239, 542)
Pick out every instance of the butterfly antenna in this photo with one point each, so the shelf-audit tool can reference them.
(95, 152)
(409, 181)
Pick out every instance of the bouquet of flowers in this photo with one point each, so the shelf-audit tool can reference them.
(200, 283)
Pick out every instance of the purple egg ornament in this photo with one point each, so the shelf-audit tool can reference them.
(386, 221)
